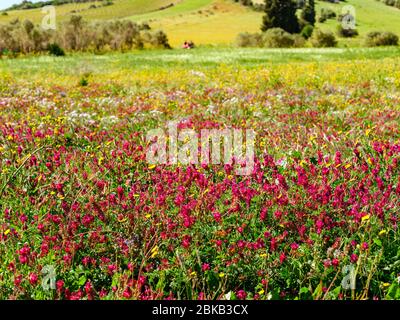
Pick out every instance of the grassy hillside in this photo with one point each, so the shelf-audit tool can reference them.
(204, 21)
(221, 20)
(120, 9)
(370, 15)
(215, 21)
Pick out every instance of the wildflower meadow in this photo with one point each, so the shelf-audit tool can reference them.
(85, 215)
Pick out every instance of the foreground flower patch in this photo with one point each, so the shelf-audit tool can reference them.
(84, 213)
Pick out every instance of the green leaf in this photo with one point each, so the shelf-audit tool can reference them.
(378, 242)
(392, 292)
(296, 154)
(397, 295)
(336, 291)
(115, 279)
(230, 296)
(160, 284)
(304, 290)
(313, 160)
(82, 280)
(305, 294)
(318, 290)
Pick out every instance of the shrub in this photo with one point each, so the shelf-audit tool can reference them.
(389, 2)
(144, 26)
(307, 31)
(326, 14)
(56, 50)
(377, 38)
(247, 3)
(393, 3)
(84, 81)
(249, 40)
(321, 39)
(277, 38)
(299, 41)
(346, 33)
(79, 35)
(160, 40)
(273, 38)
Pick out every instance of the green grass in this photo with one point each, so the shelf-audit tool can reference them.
(183, 7)
(120, 9)
(125, 64)
(217, 21)
(371, 15)
(209, 22)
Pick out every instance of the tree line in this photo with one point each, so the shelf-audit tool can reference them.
(26, 5)
(77, 34)
(287, 23)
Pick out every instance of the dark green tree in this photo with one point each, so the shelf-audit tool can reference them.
(280, 14)
(308, 13)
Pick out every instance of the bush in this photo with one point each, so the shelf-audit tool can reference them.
(377, 39)
(389, 2)
(277, 38)
(307, 31)
(144, 26)
(393, 3)
(272, 38)
(321, 39)
(79, 35)
(326, 14)
(346, 33)
(247, 3)
(299, 41)
(56, 50)
(160, 40)
(83, 82)
(249, 40)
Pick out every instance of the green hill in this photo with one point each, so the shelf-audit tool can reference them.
(371, 15)
(94, 10)
(213, 21)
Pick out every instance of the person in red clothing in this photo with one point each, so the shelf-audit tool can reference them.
(188, 45)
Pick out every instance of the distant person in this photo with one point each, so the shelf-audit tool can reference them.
(186, 45)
